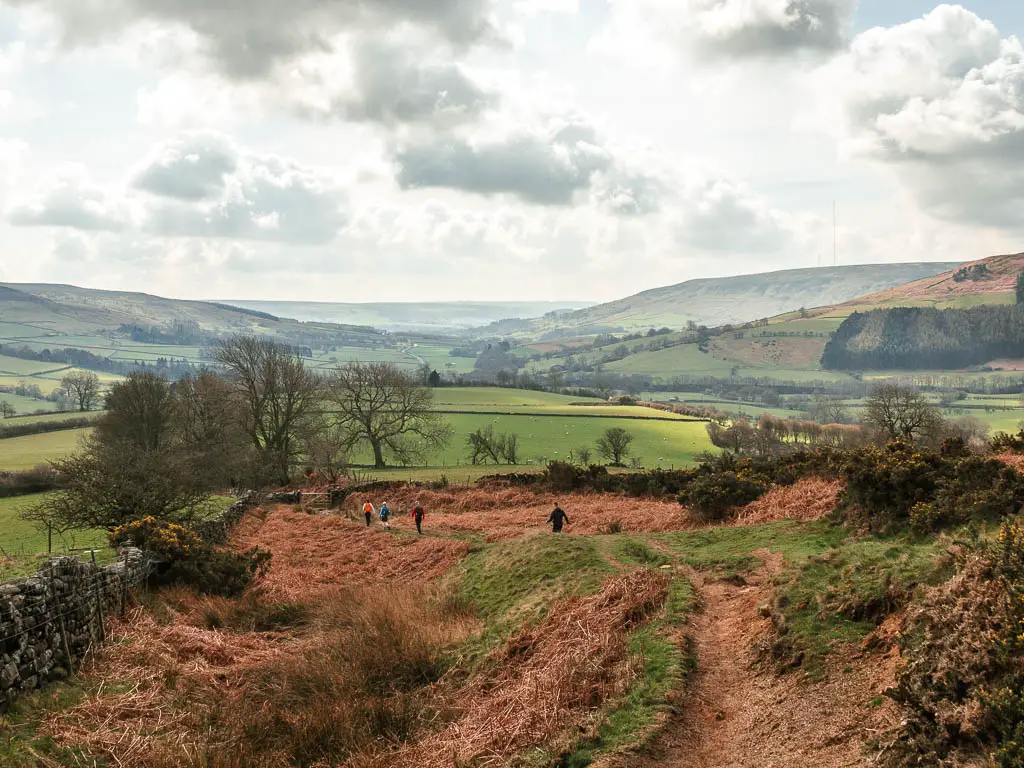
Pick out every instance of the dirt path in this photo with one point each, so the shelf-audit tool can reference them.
(739, 715)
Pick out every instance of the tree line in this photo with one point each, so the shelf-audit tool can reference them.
(162, 447)
(909, 338)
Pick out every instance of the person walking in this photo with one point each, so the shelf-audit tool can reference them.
(557, 519)
(368, 513)
(385, 515)
(418, 514)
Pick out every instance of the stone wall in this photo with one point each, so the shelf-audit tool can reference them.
(216, 531)
(62, 610)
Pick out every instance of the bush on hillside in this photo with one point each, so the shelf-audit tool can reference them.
(883, 485)
(184, 559)
(960, 688)
(901, 486)
(1006, 443)
(714, 495)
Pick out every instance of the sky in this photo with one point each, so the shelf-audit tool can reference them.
(404, 150)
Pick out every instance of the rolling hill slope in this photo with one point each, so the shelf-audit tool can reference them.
(718, 301)
(435, 317)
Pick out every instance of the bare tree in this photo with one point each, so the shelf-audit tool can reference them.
(899, 412)
(326, 452)
(279, 396)
(583, 455)
(6, 409)
(82, 388)
(485, 446)
(614, 445)
(828, 410)
(386, 409)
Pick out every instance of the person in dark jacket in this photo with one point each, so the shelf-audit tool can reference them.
(557, 519)
(418, 514)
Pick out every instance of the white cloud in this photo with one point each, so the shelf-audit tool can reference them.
(201, 186)
(71, 199)
(940, 100)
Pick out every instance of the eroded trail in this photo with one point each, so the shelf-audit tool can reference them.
(739, 715)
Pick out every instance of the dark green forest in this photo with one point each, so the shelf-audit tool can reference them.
(923, 338)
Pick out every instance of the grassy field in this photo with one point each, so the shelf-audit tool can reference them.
(26, 452)
(22, 541)
(27, 404)
(23, 545)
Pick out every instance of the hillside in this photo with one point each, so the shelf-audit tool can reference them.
(719, 301)
(437, 317)
(798, 339)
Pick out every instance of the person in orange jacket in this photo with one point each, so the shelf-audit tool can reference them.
(368, 513)
(418, 514)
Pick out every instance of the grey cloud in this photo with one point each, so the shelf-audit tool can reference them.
(805, 25)
(71, 203)
(393, 87)
(192, 169)
(246, 39)
(536, 169)
(268, 199)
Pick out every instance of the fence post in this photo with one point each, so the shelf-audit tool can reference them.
(67, 646)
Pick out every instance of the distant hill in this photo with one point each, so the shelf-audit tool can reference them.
(437, 317)
(799, 339)
(720, 301)
(44, 310)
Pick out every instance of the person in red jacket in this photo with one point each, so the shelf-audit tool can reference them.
(418, 514)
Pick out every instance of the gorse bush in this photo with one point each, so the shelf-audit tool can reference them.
(184, 559)
(961, 686)
(902, 486)
(714, 495)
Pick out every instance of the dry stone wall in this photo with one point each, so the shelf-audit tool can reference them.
(48, 621)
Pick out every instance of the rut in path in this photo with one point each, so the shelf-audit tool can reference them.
(739, 715)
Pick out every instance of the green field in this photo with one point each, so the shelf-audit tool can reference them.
(26, 452)
(27, 404)
(23, 546)
(18, 367)
(21, 541)
(497, 396)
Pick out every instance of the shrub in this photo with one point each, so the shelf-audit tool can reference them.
(1006, 443)
(184, 559)
(961, 686)
(883, 485)
(714, 495)
(901, 486)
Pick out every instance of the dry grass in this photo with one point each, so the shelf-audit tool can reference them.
(507, 513)
(356, 674)
(1014, 460)
(545, 684)
(811, 498)
(316, 553)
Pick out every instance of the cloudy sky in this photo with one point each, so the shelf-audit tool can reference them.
(362, 150)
